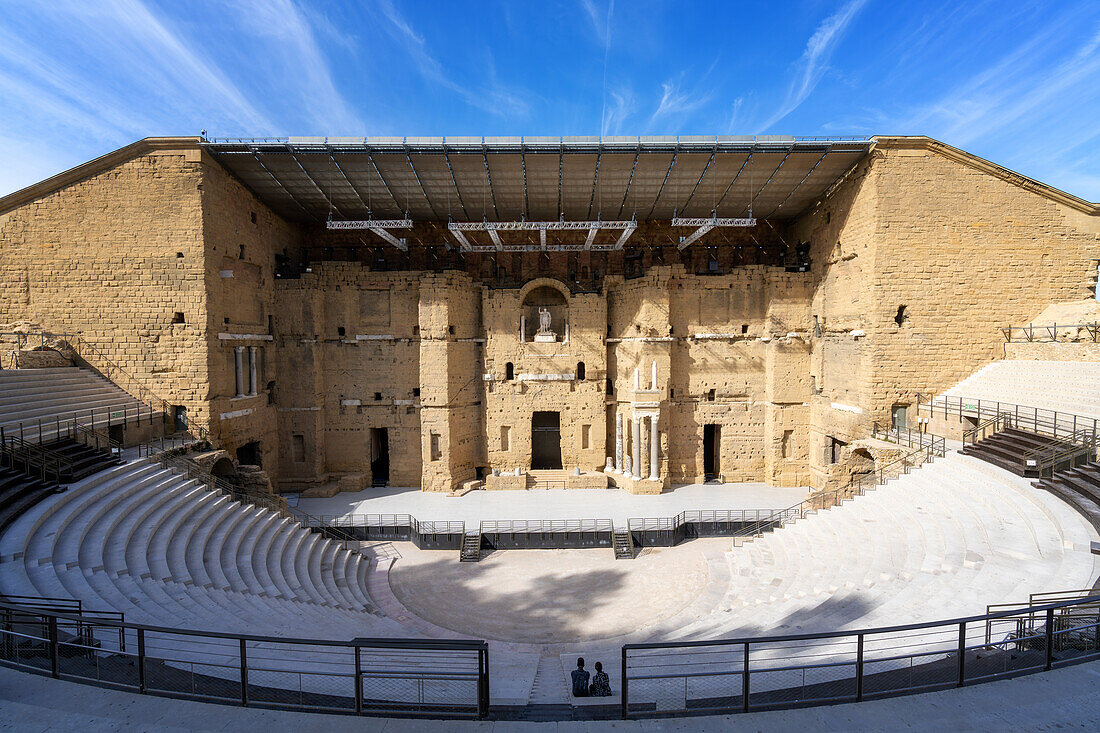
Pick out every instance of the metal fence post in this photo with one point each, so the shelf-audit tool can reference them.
(483, 698)
(962, 654)
(859, 668)
(244, 676)
(1050, 639)
(141, 660)
(623, 685)
(55, 657)
(358, 681)
(745, 681)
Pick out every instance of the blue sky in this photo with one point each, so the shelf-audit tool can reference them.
(1015, 82)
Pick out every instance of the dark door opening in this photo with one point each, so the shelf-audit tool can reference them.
(546, 440)
(379, 457)
(249, 454)
(898, 417)
(712, 452)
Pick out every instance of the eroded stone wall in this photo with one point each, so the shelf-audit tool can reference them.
(118, 258)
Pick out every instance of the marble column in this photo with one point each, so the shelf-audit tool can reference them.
(252, 375)
(637, 446)
(238, 355)
(653, 440)
(618, 442)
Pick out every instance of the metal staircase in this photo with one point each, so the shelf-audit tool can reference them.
(471, 546)
(623, 544)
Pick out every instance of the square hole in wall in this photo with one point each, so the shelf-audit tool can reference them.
(177, 317)
(179, 255)
(416, 391)
(252, 216)
(744, 328)
(340, 331)
(377, 396)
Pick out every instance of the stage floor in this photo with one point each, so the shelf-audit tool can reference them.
(614, 504)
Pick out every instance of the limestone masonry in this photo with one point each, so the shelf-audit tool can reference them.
(335, 357)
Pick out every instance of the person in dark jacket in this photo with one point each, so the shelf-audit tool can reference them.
(580, 679)
(601, 683)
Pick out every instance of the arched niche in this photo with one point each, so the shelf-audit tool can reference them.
(223, 467)
(547, 295)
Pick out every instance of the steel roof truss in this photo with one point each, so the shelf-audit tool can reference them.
(705, 225)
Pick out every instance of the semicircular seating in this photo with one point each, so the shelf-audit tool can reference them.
(940, 542)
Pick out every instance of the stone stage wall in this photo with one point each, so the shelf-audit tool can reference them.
(172, 269)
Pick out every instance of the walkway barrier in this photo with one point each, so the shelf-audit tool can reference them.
(692, 524)
(383, 527)
(1074, 332)
(406, 677)
(520, 534)
(752, 674)
(1054, 423)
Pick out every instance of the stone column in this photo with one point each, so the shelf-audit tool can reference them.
(619, 442)
(653, 440)
(653, 380)
(252, 377)
(637, 446)
(523, 328)
(238, 355)
(637, 384)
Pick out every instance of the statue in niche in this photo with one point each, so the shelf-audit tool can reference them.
(545, 321)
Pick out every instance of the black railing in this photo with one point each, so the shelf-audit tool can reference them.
(695, 523)
(33, 459)
(427, 677)
(1053, 332)
(1069, 444)
(86, 354)
(908, 437)
(750, 674)
(1054, 423)
(446, 535)
(858, 485)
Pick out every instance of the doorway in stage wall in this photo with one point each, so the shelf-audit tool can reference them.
(379, 457)
(712, 452)
(546, 440)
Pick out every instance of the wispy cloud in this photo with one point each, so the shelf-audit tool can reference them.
(623, 106)
(306, 68)
(495, 99)
(159, 53)
(1010, 89)
(815, 59)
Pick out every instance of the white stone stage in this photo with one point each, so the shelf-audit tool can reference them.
(614, 504)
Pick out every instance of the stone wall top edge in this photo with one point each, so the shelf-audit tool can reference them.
(94, 167)
(922, 142)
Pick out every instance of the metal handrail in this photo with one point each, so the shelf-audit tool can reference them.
(1038, 419)
(856, 486)
(908, 437)
(1039, 629)
(1050, 331)
(99, 362)
(473, 654)
(34, 460)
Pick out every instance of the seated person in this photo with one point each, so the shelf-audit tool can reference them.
(601, 683)
(580, 679)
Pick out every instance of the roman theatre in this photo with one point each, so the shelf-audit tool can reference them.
(403, 426)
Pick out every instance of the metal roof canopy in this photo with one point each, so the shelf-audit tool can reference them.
(478, 179)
